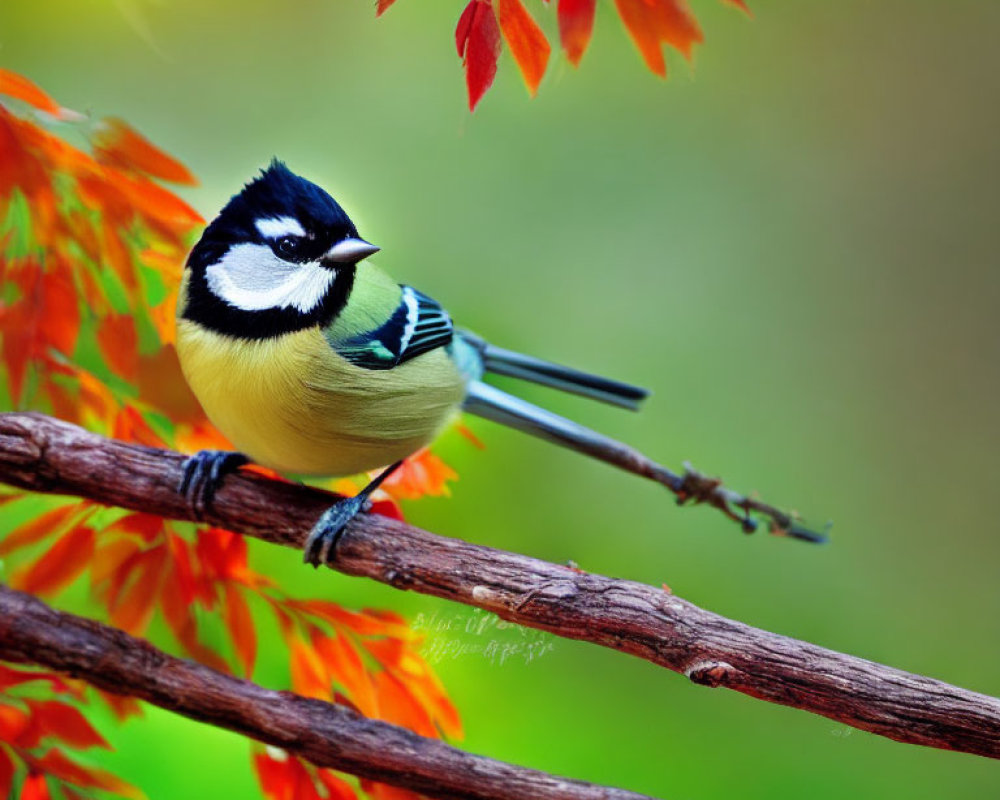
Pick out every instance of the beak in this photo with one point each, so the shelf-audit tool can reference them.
(350, 251)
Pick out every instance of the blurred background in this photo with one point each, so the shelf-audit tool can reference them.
(792, 242)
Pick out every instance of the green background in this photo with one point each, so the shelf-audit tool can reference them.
(793, 244)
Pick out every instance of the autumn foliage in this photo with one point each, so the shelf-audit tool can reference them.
(92, 245)
(485, 24)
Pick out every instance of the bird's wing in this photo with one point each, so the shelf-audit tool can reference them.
(417, 325)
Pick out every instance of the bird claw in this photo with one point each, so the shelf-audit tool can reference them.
(203, 474)
(321, 546)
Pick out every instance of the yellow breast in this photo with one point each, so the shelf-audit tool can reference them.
(292, 404)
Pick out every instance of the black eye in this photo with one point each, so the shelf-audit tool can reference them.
(287, 246)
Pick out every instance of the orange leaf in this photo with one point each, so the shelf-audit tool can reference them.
(130, 426)
(651, 23)
(421, 474)
(576, 24)
(527, 43)
(116, 142)
(478, 39)
(66, 723)
(638, 16)
(35, 788)
(161, 384)
(55, 763)
(309, 674)
(347, 669)
(14, 85)
(66, 559)
(360, 623)
(240, 624)
(382, 7)
(56, 521)
(418, 681)
(677, 26)
(117, 339)
(117, 255)
(397, 705)
(121, 707)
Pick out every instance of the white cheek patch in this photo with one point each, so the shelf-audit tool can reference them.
(276, 227)
(252, 278)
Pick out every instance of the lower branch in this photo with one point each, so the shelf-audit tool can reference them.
(44, 454)
(326, 734)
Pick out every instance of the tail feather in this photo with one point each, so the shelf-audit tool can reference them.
(516, 365)
(491, 403)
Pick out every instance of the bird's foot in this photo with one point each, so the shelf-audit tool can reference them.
(321, 546)
(203, 474)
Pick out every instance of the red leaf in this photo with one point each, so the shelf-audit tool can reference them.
(176, 598)
(60, 313)
(66, 724)
(527, 43)
(55, 570)
(135, 606)
(13, 725)
(117, 339)
(116, 142)
(53, 522)
(576, 24)
(336, 789)
(284, 778)
(6, 773)
(273, 776)
(15, 677)
(478, 40)
(14, 85)
(388, 508)
(240, 625)
(35, 788)
(383, 6)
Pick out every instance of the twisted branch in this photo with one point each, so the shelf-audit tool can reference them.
(326, 734)
(43, 454)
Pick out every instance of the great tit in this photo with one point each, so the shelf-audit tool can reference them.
(313, 361)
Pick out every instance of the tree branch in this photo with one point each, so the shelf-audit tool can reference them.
(43, 454)
(326, 734)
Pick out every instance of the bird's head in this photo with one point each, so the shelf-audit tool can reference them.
(279, 257)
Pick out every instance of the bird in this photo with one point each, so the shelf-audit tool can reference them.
(311, 360)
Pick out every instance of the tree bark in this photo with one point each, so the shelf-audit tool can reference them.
(43, 454)
(326, 734)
